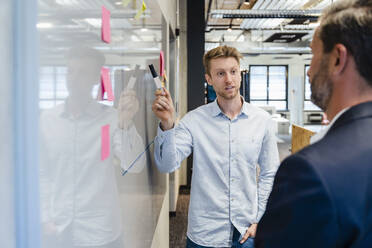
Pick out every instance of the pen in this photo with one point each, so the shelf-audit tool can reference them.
(155, 76)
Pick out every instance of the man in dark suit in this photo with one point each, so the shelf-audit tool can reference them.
(322, 195)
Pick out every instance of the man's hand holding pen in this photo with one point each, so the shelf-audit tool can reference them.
(163, 108)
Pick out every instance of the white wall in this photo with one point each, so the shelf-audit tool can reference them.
(7, 231)
(161, 235)
(296, 78)
(169, 10)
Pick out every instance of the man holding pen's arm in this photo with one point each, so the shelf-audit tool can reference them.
(229, 139)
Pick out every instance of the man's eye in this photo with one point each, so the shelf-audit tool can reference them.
(220, 74)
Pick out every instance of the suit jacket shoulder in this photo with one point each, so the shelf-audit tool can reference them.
(330, 183)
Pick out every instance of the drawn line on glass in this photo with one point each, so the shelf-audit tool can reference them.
(138, 157)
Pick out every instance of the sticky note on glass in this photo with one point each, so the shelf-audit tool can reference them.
(105, 27)
(125, 3)
(141, 10)
(105, 142)
(106, 84)
(161, 62)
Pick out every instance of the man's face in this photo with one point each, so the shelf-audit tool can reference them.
(320, 81)
(82, 75)
(225, 77)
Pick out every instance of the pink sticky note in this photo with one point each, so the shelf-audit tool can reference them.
(106, 84)
(161, 62)
(105, 27)
(105, 142)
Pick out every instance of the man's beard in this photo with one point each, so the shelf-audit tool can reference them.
(228, 96)
(321, 86)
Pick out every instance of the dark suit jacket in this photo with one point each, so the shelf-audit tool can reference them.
(322, 195)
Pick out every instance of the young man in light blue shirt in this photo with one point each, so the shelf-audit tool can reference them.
(229, 139)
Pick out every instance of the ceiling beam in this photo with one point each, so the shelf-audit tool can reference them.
(262, 14)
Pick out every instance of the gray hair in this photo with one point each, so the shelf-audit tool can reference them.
(349, 22)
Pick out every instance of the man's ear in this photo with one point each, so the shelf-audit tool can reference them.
(339, 59)
(208, 79)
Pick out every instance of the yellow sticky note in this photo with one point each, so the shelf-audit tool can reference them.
(125, 3)
(141, 10)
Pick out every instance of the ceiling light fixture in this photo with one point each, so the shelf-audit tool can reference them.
(246, 2)
(95, 22)
(44, 25)
(66, 2)
(314, 25)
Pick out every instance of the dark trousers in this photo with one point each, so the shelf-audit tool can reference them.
(235, 242)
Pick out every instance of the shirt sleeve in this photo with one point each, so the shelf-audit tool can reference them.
(172, 146)
(269, 162)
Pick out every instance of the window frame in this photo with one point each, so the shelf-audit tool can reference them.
(268, 99)
(56, 100)
(304, 92)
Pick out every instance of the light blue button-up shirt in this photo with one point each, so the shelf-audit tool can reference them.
(226, 154)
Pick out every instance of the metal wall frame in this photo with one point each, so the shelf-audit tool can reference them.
(25, 119)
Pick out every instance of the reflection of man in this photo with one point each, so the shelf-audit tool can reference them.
(228, 138)
(131, 156)
(79, 196)
(322, 195)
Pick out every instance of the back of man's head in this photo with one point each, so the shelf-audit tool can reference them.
(84, 53)
(349, 22)
(220, 52)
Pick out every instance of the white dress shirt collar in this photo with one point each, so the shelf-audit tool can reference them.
(318, 136)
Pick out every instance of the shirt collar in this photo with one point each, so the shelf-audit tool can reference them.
(92, 109)
(318, 136)
(216, 110)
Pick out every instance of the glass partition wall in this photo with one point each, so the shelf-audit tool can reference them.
(98, 183)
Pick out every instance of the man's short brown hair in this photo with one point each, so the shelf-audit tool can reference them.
(220, 52)
(349, 22)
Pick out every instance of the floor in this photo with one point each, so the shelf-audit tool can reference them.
(178, 220)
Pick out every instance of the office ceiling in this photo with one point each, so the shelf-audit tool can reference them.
(262, 26)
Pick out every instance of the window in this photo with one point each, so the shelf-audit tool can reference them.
(53, 89)
(52, 86)
(308, 105)
(268, 86)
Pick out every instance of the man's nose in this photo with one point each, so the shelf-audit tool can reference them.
(229, 77)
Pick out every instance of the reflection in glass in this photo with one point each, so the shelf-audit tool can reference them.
(79, 198)
(79, 194)
(87, 201)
